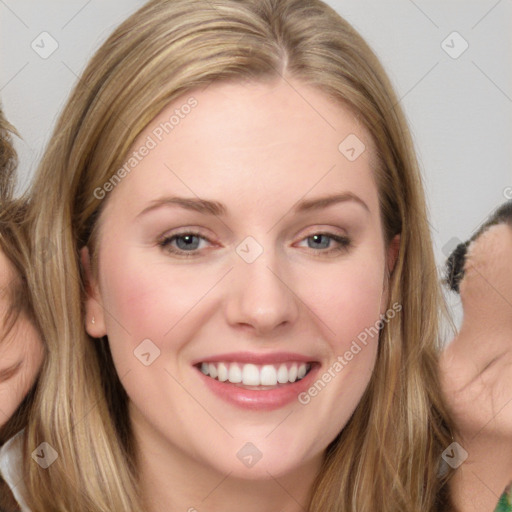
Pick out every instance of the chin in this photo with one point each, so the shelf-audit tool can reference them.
(261, 469)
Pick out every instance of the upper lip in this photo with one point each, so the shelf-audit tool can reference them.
(255, 358)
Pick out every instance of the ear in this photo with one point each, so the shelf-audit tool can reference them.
(391, 257)
(93, 306)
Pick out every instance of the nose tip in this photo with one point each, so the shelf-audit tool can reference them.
(259, 298)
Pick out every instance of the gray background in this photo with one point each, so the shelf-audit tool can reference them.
(459, 109)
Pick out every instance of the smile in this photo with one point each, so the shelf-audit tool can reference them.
(249, 374)
(257, 381)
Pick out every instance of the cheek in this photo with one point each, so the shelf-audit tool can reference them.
(13, 391)
(146, 300)
(347, 299)
(355, 301)
(347, 296)
(10, 397)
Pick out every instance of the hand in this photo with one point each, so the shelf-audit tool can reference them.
(476, 373)
(476, 367)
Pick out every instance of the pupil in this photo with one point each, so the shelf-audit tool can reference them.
(188, 241)
(317, 239)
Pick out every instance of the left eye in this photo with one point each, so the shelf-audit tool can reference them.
(324, 240)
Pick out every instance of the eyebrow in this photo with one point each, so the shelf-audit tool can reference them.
(208, 207)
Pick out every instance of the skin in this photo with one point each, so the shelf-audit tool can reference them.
(21, 351)
(258, 148)
(476, 372)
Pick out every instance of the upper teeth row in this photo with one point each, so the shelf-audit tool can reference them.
(256, 375)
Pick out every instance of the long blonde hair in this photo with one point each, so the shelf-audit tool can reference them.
(387, 457)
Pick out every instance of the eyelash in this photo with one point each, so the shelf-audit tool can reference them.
(345, 244)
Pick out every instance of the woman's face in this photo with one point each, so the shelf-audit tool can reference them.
(21, 350)
(220, 250)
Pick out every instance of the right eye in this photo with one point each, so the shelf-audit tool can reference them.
(185, 242)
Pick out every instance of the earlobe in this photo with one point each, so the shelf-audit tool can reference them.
(94, 317)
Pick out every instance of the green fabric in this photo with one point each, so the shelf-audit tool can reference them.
(505, 503)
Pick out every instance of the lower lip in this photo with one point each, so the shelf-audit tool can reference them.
(265, 399)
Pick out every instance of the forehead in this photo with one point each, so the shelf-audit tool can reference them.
(263, 116)
(245, 139)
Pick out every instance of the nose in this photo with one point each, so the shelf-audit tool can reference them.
(261, 295)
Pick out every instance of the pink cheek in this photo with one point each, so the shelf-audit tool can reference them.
(8, 399)
(351, 307)
(148, 299)
(137, 302)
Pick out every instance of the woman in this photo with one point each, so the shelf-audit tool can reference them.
(21, 350)
(252, 372)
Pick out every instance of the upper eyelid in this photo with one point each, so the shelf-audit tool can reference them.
(199, 231)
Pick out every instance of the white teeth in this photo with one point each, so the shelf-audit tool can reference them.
(256, 375)
(235, 374)
(268, 375)
(282, 374)
(250, 375)
(222, 370)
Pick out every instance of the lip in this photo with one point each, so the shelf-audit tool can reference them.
(262, 400)
(254, 358)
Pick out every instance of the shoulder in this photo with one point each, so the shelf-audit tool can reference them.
(505, 503)
(11, 467)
